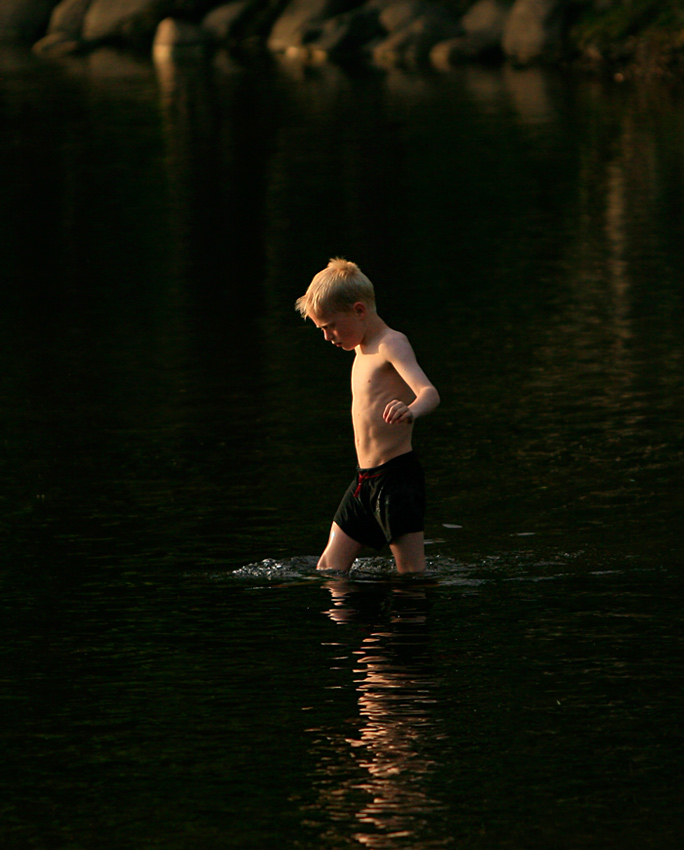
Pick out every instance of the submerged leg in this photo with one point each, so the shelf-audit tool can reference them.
(409, 552)
(340, 552)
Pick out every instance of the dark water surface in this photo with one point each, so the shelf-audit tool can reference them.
(174, 441)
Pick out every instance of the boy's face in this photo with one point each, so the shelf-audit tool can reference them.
(345, 328)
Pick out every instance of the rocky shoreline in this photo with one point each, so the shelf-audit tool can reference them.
(596, 35)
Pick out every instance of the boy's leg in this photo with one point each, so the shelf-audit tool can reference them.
(340, 552)
(409, 552)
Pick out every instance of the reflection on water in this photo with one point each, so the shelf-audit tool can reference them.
(384, 773)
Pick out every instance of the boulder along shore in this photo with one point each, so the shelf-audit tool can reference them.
(639, 39)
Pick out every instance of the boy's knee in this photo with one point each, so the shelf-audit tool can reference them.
(323, 563)
(334, 563)
(409, 553)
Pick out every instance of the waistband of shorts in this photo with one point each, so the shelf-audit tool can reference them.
(399, 460)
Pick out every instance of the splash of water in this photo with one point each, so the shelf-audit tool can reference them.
(505, 566)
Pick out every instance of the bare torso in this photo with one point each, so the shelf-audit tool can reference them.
(375, 383)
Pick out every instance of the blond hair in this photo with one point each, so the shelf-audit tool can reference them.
(336, 288)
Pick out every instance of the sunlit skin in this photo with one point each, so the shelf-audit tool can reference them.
(389, 392)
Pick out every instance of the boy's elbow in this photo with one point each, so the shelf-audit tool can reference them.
(428, 399)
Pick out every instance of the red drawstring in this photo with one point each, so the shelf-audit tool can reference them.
(364, 476)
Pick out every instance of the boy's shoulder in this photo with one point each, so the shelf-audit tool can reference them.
(387, 343)
(392, 340)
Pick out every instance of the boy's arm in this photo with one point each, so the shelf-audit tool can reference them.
(400, 354)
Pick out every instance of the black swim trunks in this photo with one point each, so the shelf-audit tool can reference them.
(384, 502)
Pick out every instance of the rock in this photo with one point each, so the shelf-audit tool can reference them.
(483, 26)
(57, 44)
(178, 38)
(302, 21)
(112, 20)
(67, 17)
(220, 23)
(414, 29)
(24, 20)
(486, 18)
(454, 51)
(397, 14)
(348, 34)
(534, 30)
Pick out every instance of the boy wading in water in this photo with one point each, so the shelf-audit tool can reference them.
(385, 502)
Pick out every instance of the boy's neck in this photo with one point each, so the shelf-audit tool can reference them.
(374, 327)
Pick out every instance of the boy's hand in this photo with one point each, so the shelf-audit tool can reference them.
(397, 412)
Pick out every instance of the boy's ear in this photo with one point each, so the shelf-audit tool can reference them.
(360, 309)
